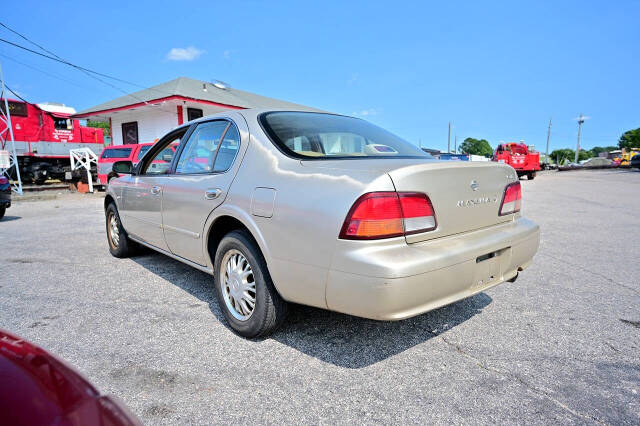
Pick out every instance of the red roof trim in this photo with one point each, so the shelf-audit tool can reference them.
(168, 98)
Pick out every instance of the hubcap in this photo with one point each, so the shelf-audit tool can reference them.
(238, 285)
(114, 232)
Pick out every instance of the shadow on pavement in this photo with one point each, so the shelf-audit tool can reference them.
(10, 218)
(335, 338)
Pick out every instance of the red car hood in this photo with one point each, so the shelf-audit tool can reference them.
(36, 388)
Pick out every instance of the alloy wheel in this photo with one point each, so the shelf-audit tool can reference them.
(238, 285)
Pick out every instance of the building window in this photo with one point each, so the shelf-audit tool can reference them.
(130, 133)
(194, 113)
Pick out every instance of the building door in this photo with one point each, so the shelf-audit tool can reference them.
(130, 133)
(202, 176)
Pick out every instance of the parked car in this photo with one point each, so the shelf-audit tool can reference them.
(131, 152)
(635, 162)
(5, 195)
(323, 210)
(113, 153)
(38, 388)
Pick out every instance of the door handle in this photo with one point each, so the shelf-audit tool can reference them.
(212, 194)
(156, 190)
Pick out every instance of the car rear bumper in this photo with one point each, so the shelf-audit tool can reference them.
(5, 198)
(431, 274)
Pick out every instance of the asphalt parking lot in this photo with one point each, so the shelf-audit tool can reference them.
(560, 345)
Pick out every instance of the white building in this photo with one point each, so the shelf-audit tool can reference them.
(147, 115)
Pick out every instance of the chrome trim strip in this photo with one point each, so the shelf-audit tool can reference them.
(182, 231)
(173, 256)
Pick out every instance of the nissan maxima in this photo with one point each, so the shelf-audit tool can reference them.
(322, 210)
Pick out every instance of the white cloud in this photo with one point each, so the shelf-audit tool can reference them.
(366, 112)
(184, 53)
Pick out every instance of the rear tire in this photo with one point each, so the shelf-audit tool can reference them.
(3, 209)
(531, 175)
(246, 295)
(120, 245)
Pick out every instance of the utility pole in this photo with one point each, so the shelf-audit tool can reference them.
(449, 139)
(580, 121)
(546, 157)
(5, 118)
(455, 145)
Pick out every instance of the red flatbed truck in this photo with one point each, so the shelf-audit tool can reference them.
(525, 161)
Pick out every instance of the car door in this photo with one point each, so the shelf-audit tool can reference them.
(141, 212)
(202, 175)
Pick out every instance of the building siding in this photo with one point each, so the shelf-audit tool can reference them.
(154, 122)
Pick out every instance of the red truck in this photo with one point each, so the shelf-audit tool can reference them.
(44, 134)
(525, 161)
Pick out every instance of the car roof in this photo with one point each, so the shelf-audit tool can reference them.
(253, 113)
(130, 145)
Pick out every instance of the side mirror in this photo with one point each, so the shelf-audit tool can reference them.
(123, 167)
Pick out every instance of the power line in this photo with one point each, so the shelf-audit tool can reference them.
(18, 96)
(45, 72)
(64, 61)
(87, 71)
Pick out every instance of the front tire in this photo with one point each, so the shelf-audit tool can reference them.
(119, 243)
(3, 209)
(246, 295)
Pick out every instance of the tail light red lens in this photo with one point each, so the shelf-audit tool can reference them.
(3, 180)
(378, 215)
(417, 212)
(512, 200)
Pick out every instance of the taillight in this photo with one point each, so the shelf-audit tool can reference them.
(417, 212)
(3, 180)
(512, 200)
(388, 214)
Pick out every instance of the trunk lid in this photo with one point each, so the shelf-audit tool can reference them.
(465, 195)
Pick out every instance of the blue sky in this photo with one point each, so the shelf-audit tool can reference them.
(498, 70)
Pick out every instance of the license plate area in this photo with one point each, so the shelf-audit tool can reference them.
(488, 268)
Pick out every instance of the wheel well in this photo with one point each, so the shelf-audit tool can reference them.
(221, 227)
(108, 200)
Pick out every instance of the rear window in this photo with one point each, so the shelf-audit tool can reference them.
(143, 151)
(116, 153)
(311, 135)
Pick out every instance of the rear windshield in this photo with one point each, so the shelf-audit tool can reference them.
(311, 135)
(116, 153)
(143, 151)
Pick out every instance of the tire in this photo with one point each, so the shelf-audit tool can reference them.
(121, 246)
(269, 310)
(531, 175)
(3, 209)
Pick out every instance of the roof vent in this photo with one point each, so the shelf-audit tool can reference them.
(220, 84)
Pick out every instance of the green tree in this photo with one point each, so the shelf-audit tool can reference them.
(476, 147)
(101, 125)
(630, 139)
(559, 156)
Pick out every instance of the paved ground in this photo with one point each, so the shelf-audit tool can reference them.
(561, 345)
